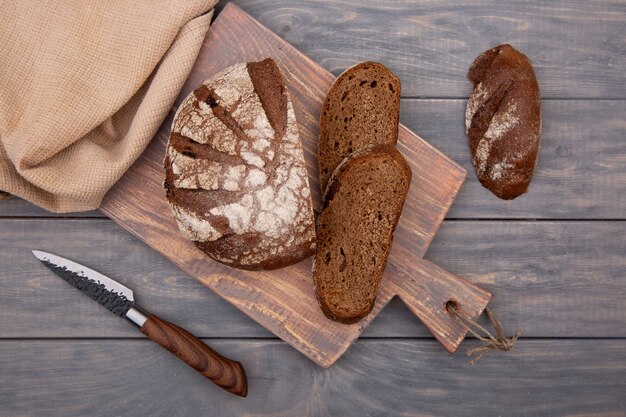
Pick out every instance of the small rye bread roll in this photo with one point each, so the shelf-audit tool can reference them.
(503, 121)
(236, 178)
(360, 211)
(361, 108)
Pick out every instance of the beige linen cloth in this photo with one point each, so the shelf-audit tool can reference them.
(84, 86)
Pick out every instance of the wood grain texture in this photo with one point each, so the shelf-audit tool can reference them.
(552, 279)
(576, 46)
(582, 162)
(225, 373)
(581, 169)
(16, 207)
(35, 303)
(283, 301)
(376, 378)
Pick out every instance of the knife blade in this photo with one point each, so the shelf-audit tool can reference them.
(120, 300)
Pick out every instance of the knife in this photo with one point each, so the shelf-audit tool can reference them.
(118, 299)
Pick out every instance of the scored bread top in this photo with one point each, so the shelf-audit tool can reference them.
(362, 108)
(235, 172)
(503, 120)
(361, 208)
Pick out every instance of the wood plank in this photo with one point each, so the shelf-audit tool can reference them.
(376, 378)
(34, 303)
(16, 207)
(552, 279)
(581, 170)
(283, 301)
(582, 162)
(576, 45)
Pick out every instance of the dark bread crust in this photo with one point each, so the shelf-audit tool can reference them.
(269, 85)
(361, 209)
(220, 251)
(361, 108)
(503, 121)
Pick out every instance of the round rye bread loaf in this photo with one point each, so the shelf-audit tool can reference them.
(236, 177)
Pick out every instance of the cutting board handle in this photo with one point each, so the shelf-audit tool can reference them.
(426, 289)
(226, 373)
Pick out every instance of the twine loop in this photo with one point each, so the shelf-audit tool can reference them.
(500, 341)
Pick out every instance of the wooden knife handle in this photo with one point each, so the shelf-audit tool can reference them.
(224, 372)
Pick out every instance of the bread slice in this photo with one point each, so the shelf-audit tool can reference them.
(361, 108)
(360, 211)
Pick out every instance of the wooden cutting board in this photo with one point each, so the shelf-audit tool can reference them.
(283, 301)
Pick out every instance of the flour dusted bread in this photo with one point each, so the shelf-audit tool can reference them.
(503, 121)
(236, 177)
(360, 211)
(361, 108)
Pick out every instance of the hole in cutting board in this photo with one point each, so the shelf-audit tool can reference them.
(452, 304)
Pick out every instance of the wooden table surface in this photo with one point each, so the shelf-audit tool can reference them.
(555, 259)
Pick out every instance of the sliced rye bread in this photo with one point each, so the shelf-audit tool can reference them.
(362, 108)
(360, 211)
